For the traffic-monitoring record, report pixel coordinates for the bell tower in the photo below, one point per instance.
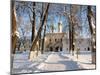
(60, 26)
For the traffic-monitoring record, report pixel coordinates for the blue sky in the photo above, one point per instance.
(55, 19)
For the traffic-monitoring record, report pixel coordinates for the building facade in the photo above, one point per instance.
(58, 41)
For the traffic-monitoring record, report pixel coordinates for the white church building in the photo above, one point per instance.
(58, 41)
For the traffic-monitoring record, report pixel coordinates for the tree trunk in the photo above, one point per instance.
(72, 39)
(40, 41)
(40, 29)
(14, 37)
(70, 27)
(33, 23)
(19, 45)
(71, 32)
(43, 38)
(93, 33)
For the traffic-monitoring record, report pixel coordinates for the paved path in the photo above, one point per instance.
(57, 62)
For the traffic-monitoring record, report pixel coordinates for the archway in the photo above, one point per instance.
(51, 49)
(88, 48)
(60, 48)
(56, 49)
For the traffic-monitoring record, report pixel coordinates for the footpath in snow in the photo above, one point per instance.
(51, 61)
(58, 62)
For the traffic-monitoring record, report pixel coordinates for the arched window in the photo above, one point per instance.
(55, 40)
(50, 40)
(61, 40)
(88, 49)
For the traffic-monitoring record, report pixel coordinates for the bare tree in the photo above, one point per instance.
(72, 19)
(43, 40)
(40, 29)
(33, 23)
(14, 28)
(29, 9)
(91, 20)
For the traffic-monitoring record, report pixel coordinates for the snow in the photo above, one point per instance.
(58, 63)
(84, 59)
(52, 61)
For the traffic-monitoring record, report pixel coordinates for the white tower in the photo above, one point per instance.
(60, 27)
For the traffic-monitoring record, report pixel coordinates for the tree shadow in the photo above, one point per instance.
(25, 66)
(70, 65)
(85, 53)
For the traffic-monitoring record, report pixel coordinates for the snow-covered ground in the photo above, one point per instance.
(52, 61)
